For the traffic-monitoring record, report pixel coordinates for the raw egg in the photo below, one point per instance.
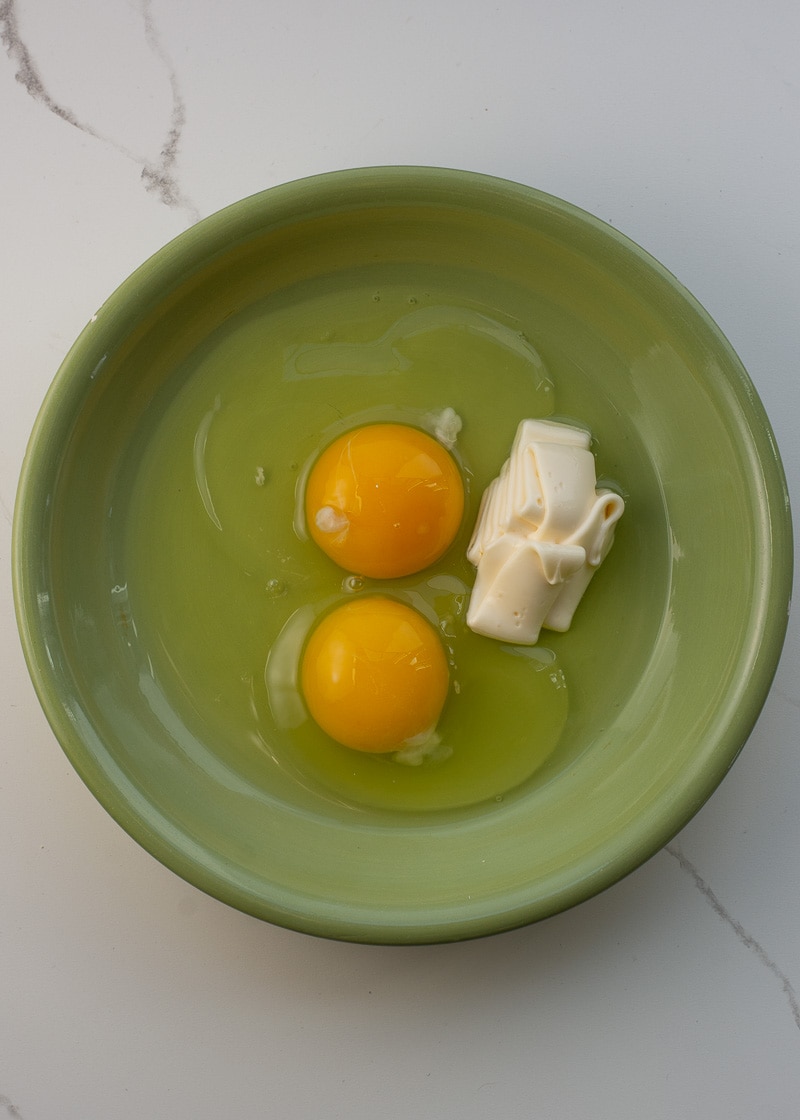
(384, 501)
(374, 675)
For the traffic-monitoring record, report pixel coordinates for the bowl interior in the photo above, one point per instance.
(672, 651)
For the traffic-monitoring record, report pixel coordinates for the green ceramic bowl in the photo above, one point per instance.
(672, 652)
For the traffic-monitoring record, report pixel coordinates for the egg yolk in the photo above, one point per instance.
(374, 675)
(385, 500)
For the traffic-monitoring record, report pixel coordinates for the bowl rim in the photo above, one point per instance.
(180, 257)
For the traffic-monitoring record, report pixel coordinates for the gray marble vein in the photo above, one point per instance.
(160, 175)
(746, 938)
(27, 73)
(9, 1108)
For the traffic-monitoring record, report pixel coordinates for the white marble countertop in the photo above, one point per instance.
(126, 993)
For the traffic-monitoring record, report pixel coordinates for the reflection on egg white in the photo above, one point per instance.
(200, 475)
(282, 670)
(381, 356)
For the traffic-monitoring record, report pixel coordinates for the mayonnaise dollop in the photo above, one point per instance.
(543, 529)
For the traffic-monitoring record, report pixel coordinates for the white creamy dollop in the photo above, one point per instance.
(543, 529)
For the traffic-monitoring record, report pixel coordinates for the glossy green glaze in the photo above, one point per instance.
(671, 654)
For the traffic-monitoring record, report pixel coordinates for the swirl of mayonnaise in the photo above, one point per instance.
(543, 529)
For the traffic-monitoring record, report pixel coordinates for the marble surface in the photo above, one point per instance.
(126, 993)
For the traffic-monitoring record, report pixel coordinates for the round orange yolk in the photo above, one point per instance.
(374, 675)
(385, 500)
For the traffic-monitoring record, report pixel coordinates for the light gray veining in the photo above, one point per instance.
(746, 938)
(159, 176)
